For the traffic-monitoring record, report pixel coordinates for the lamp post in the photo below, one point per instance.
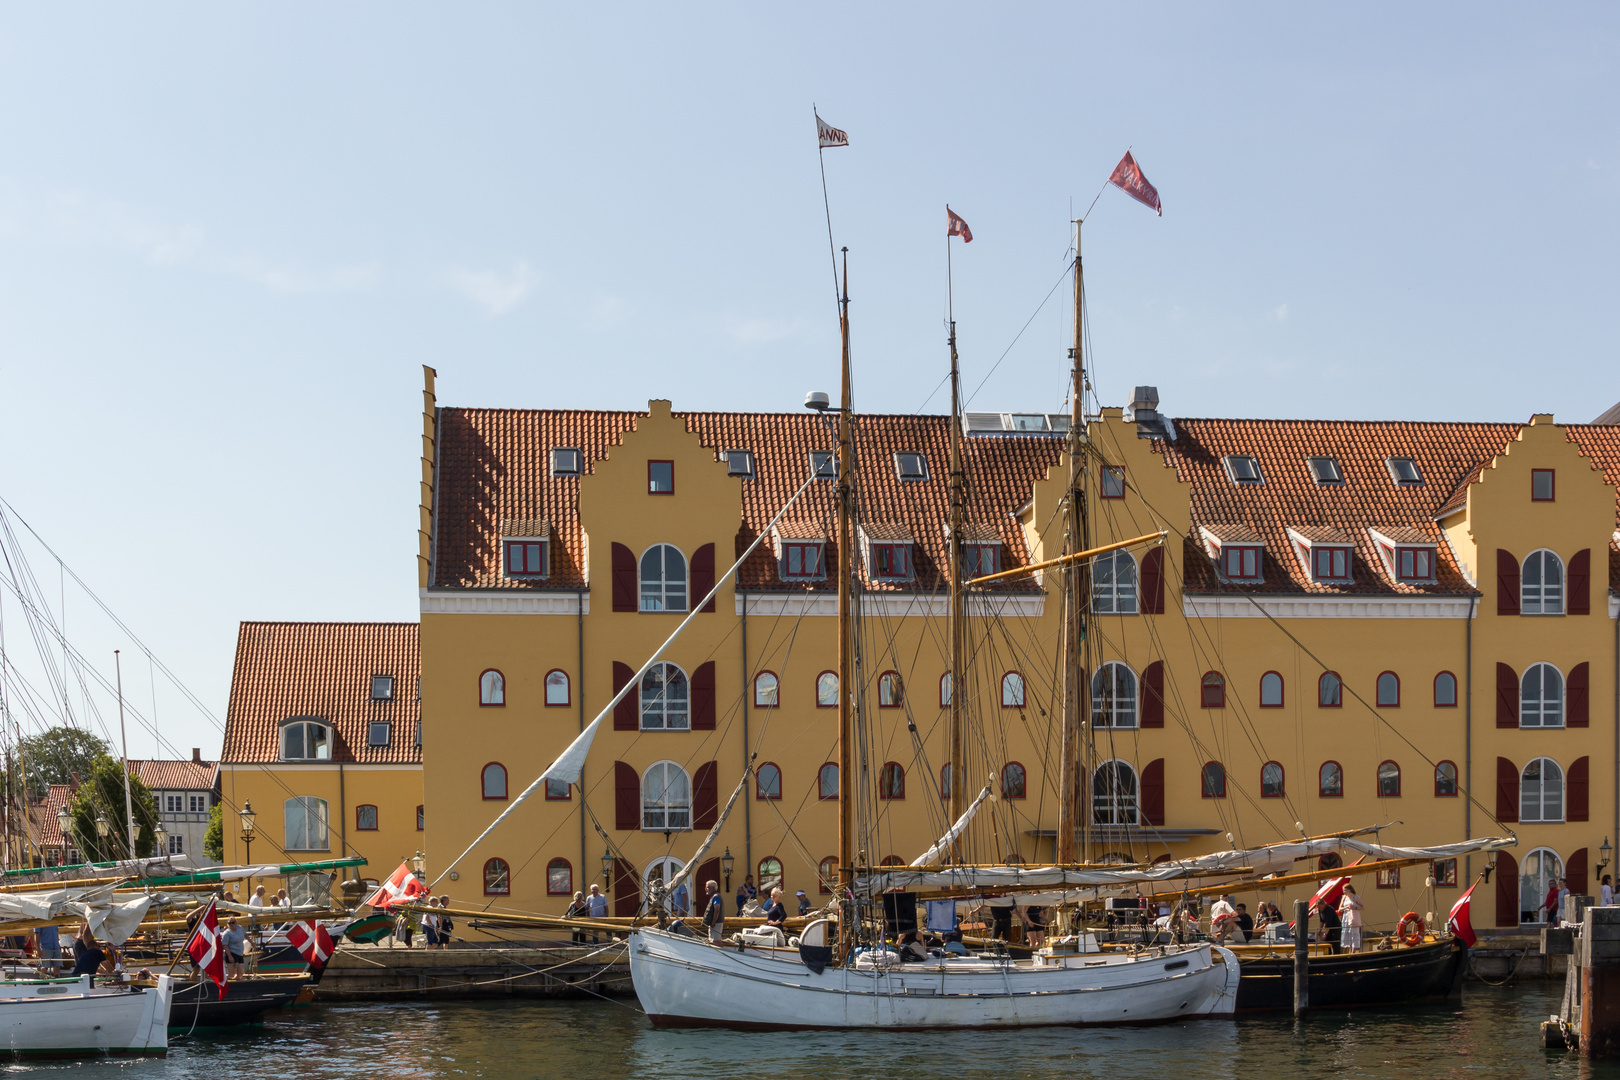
(417, 863)
(247, 815)
(1605, 854)
(160, 835)
(103, 827)
(726, 863)
(607, 870)
(64, 821)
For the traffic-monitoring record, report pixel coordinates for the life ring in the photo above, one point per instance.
(1410, 929)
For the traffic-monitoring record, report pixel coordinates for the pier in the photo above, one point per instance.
(517, 969)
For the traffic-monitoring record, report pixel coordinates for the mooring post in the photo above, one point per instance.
(1600, 982)
(1302, 958)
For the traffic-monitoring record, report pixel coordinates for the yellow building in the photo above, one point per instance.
(1352, 624)
(323, 740)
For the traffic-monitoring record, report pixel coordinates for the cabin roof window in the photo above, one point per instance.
(823, 464)
(910, 466)
(1243, 468)
(1404, 471)
(566, 461)
(739, 463)
(1325, 470)
(382, 688)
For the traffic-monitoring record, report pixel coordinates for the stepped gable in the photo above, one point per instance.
(1447, 455)
(286, 669)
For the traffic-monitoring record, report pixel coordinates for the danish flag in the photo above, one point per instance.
(401, 887)
(1459, 921)
(207, 950)
(312, 942)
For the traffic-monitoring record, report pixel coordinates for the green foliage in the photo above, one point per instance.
(55, 754)
(103, 795)
(214, 838)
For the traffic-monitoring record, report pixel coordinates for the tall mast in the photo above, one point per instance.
(1071, 809)
(129, 803)
(847, 788)
(958, 629)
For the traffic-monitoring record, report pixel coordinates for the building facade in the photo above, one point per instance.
(186, 792)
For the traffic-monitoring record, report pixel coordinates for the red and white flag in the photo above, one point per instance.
(206, 948)
(827, 135)
(313, 943)
(401, 887)
(955, 226)
(1329, 894)
(1460, 921)
(1129, 179)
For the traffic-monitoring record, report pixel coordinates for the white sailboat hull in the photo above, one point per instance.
(685, 982)
(62, 1019)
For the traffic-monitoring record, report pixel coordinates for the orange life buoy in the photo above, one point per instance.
(1410, 929)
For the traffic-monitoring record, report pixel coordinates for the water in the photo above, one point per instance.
(1491, 1035)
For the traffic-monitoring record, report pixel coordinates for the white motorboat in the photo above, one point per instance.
(74, 1018)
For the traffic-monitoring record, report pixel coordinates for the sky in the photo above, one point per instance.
(232, 235)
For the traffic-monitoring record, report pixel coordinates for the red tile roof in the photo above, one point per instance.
(324, 670)
(179, 775)
(45, 829)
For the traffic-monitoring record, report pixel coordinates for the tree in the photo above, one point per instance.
(214, 838)
(103, 795)
(55, 754)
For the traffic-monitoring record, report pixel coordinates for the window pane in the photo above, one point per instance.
(765, 690)
(660, 477)
(559, 878)
(1389, 778)
(365, 817)
(1445, 779)
(1113, 482)
(770, 782)
(1012, 781)
(556, 688)
(827, 781)
(1012, 690)
(494, 782)
(1214, 780)
(827, 690)
(1332, 779)
(1389, 689)
(1271, 690)
(1445, 689)
(557, 789)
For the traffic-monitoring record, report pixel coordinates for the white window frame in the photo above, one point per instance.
(1110, 807)
(1547, 599)
(666, 706)
(304, 722)
(1540, 714)
(562, 457)
(1115, 704)
(660, 593)
(739, 463)
(1549, 792)
(1541, 877)
(1239, 468)
(662, 806)
(1114, 578)
(304, 839)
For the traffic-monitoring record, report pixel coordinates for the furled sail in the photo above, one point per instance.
(931, 856)
(708, 841)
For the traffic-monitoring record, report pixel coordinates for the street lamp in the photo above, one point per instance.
(726, 863)
(64, 821)
(160, 836)
(416, 863)
(1605, 853)
(247, 815)
(607, 869)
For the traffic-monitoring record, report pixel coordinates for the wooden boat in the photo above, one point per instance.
(1432, 971)
(67, 1018)
(198, 1004)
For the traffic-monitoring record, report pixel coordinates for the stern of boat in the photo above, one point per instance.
(153, 1036)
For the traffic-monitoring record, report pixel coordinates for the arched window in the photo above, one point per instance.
(1271, 690)
(666, 798)
(556, 688)
(767, 690)
(892, 860)
(494, 780)
(891, 781)
(768, 782)
(945, 690)
(492, 688)
(1389, 779)
(559, 790)
(827, 781)
(663, 579)
(1541, 697)
(1389, 690)
(1113, 794)
(1012, 780)
(1541, 791)
(1113, 584)
(1214, 780)
(1330, 780)
(770, 875)
(1445, 690)
(1329, 691)
(827, 690)
(1271, 780)
(1330, 861)
(306, 822)
(1212, 691)
(304, 739)
(891, 691)
(664, 699)
(1541, 584)
(945, 781)
(497, 878)
(365, 818)
(827, 874)
(559, 878)
(1113, 697)
(1537, 872)
(1012, 690)
(1445, 779)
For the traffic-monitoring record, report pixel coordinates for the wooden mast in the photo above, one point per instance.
(1073, 757)
(958, 627)
(847, 788)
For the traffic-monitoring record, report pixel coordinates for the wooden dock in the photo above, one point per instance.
(466, 970)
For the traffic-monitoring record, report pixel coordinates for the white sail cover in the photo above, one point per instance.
(111, 920)
(1240, 865)
(931, 856)
(708, 841)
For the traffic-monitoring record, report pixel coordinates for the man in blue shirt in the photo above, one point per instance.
(714, 913)
(48, 941)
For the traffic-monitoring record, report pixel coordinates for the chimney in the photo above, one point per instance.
(1144, 413)
(73, 782)
(196, 755)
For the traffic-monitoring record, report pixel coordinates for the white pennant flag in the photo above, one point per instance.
(827, 135)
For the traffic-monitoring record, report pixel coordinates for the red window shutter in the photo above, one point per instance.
(624, 578)
(1153, 582)
(1577, 711)
(626, 890)
(703, 697)
(626, 797)
(1575, 873)
(1153, 695)
(1507, 890)
(707, 871)
(1507, 587)
(1507, 696)
(627, 713)
(1507, 791)
(706, 796)
(1580, 583)
(703, 575)
(1577, 791)
(1153, 792)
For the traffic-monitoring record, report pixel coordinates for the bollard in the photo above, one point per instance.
(1302, 958)
(1600, 982)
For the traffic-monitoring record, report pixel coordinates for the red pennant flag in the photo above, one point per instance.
(1460, 921)
(313, 943)
(827, 135)
(1129, 179)
(207, 950)
(401, 887)
(1330, 892)
(955, 226)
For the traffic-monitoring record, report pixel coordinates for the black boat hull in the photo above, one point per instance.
(246, 1001)
(1357, 980)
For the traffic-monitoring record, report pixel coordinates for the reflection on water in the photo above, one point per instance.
(1492, 1034)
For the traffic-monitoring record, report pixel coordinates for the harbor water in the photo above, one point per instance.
(1491, 1033)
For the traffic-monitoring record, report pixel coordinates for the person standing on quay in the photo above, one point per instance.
(1350, 916)
(1606, 891)
(598, 908)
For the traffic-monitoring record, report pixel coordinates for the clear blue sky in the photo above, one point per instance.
(230, 235)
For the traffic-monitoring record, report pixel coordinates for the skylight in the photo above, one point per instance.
(1403, 470)
(823, 464)
(1325, 470)
(565, 461)
(739, 462)
(1243, 469)
(910, 466)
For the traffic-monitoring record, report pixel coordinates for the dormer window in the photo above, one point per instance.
(823, 464)
(526, 557)
(978, 560)
(1243, 469)
(1414, 564)
(1330, 563)
(566, 461)
(910, 466)
(1409, 557)
(305, 739)
(1240, 562)
(739, 463)
(888, 552)
(801, 561)
(800, 550)
(1238, 551)
(1325, 470)
(1326, 552)
(382, 688)
(1403, 470)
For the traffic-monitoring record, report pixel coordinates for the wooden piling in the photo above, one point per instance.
(1302, 958)
(1600, 982)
